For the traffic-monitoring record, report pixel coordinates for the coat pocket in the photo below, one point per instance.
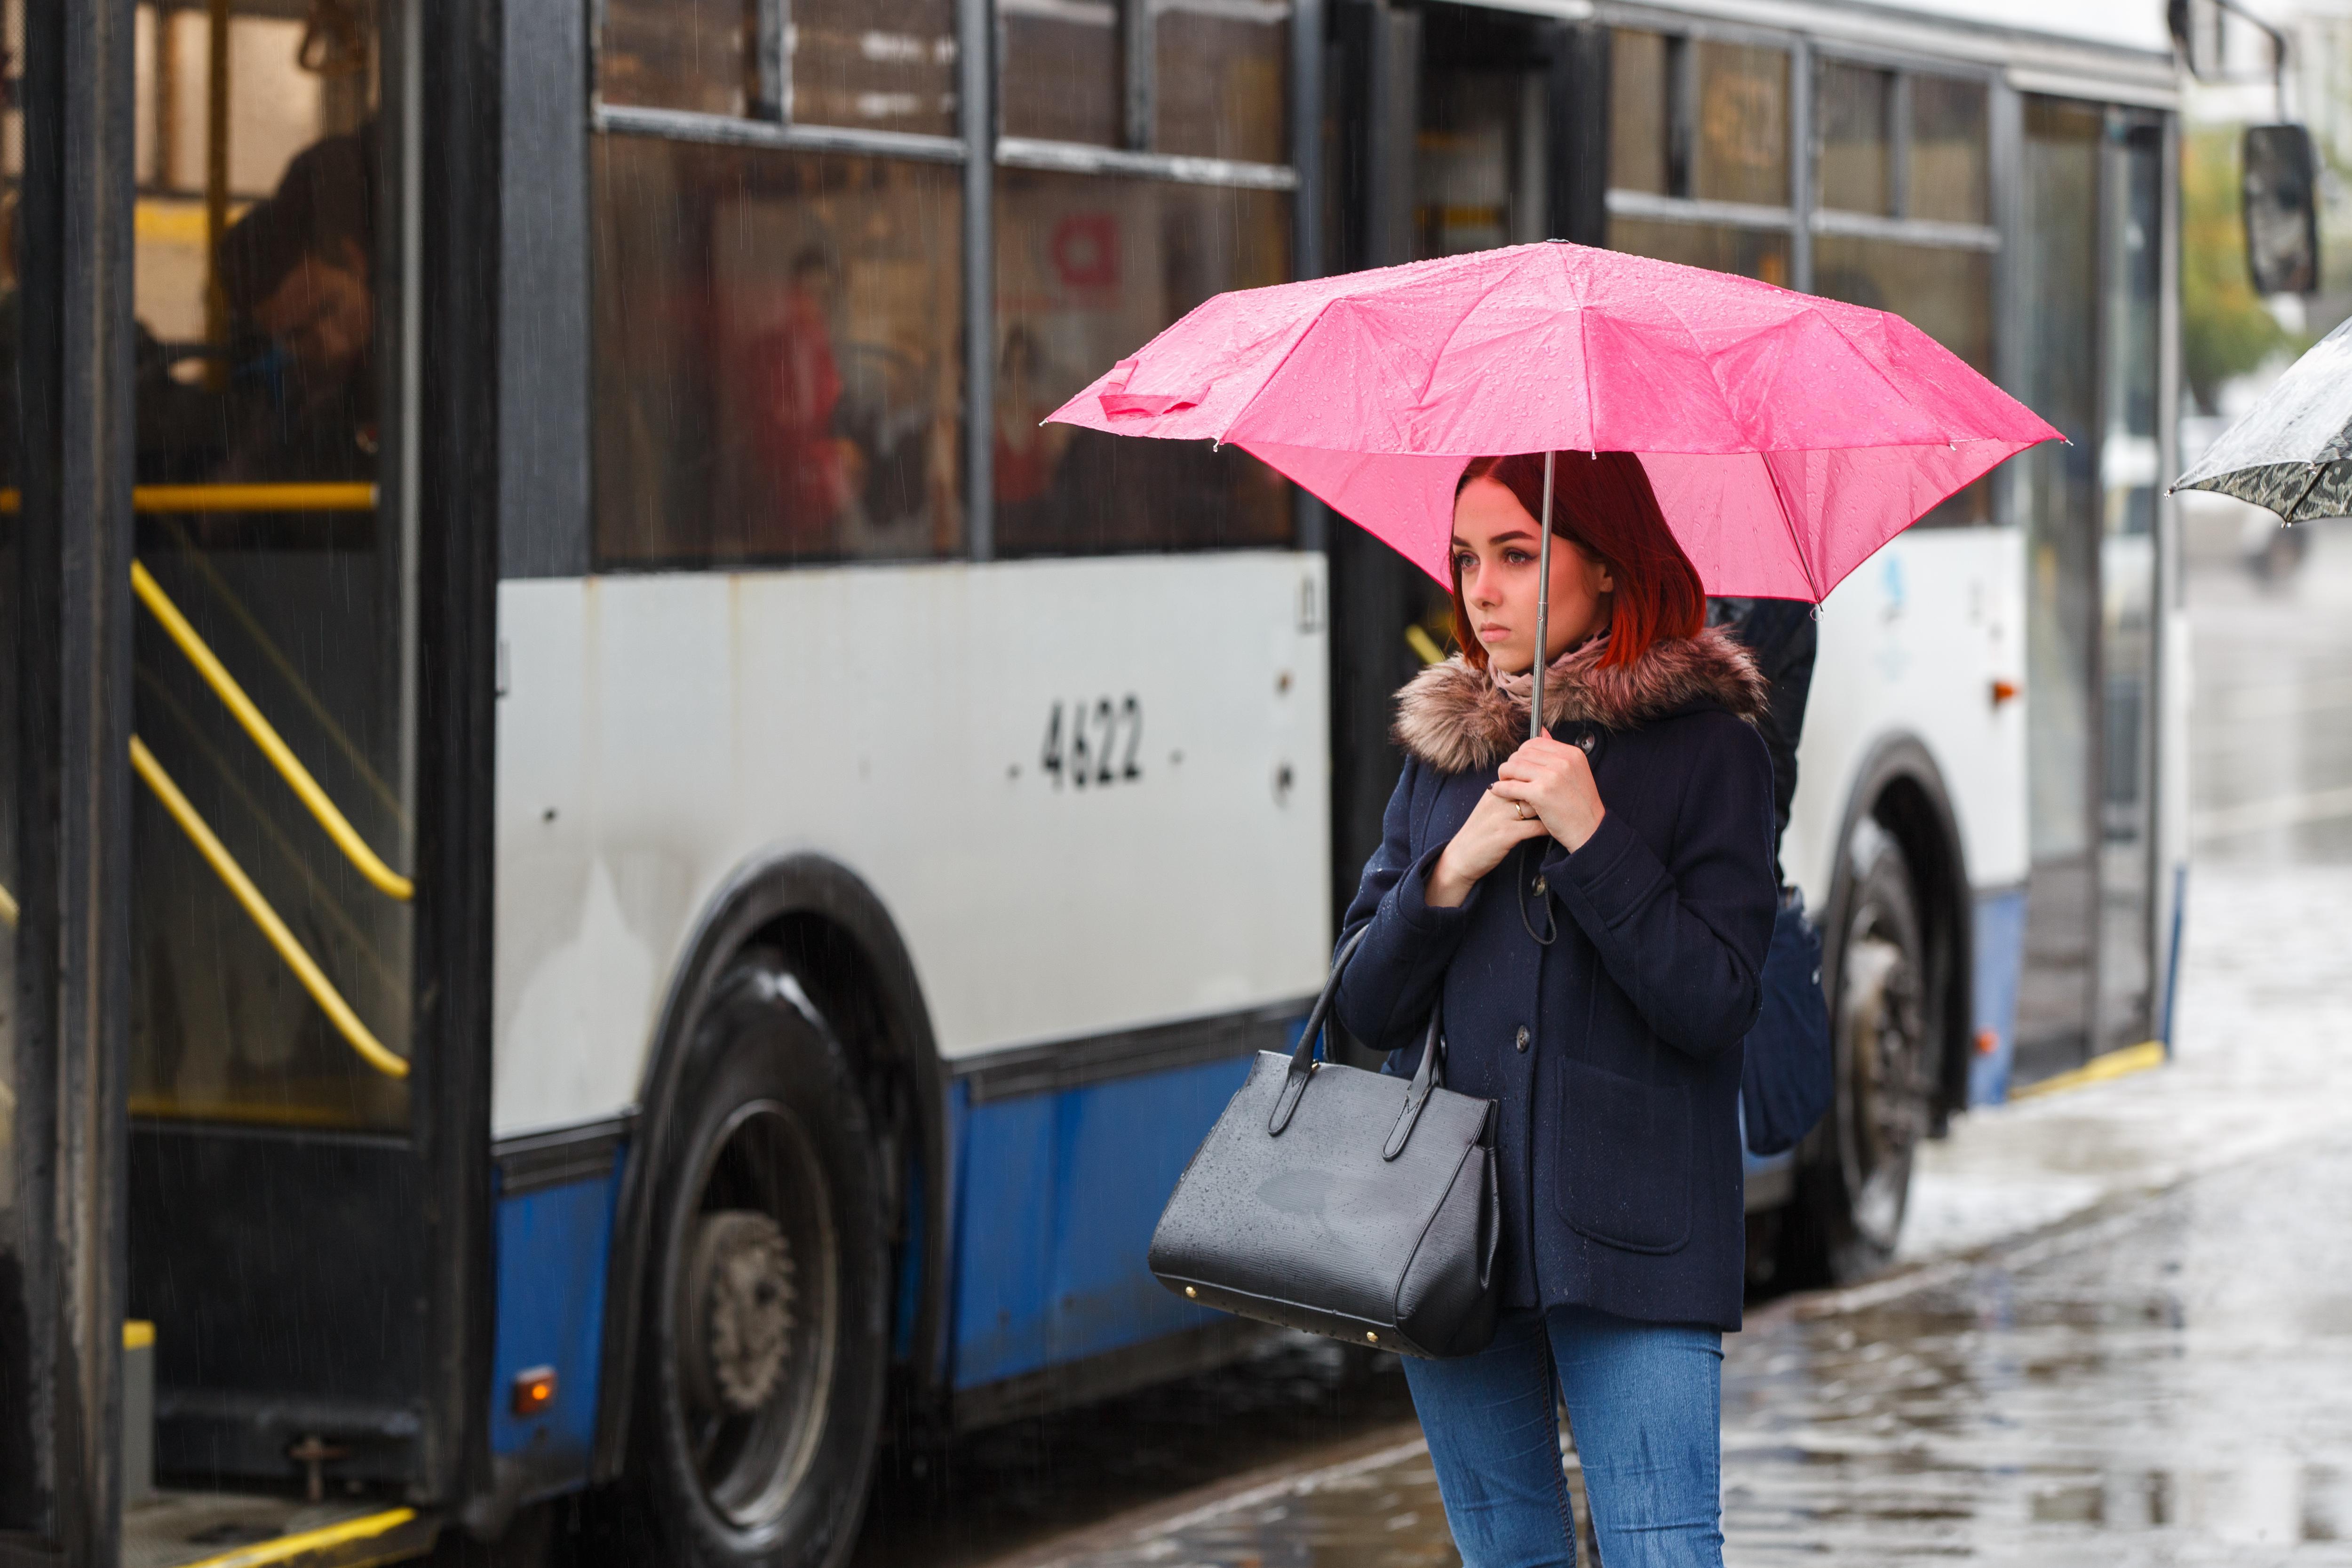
(1624, 1176)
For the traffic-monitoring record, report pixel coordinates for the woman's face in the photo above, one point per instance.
(1495, 553)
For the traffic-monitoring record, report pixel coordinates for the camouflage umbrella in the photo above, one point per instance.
(2292, 452)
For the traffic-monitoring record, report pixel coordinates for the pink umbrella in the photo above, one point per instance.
(1786, 437)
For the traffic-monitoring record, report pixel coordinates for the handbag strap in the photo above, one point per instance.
(1302, 1059)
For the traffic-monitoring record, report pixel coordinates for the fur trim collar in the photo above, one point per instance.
(1453, 717)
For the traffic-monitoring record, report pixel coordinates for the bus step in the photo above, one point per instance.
(227, 1529)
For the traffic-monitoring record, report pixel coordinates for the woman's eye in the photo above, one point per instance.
(1466, 563)
(1517, 557)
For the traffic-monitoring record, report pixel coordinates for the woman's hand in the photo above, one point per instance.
(1554, 781)
(1496, 828)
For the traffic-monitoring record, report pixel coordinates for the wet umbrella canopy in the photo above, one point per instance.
(1786, 437)
(2292, 451)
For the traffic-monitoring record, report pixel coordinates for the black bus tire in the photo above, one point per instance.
(1854, 1174)
(766, 1347)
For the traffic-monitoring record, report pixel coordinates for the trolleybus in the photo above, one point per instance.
(616, 863)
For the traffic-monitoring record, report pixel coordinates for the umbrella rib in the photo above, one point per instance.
(1266, 381)
(2318, 472)
(1789, 523)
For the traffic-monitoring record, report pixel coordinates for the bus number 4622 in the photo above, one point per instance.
(1099, 744)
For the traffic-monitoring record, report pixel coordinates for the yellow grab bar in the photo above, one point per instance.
(306, 969)
(289, 767)
(357, 496)
(8, 907)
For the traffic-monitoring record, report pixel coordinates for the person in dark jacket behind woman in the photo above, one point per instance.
(1591, 909)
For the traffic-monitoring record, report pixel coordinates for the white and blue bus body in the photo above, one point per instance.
(689, 602)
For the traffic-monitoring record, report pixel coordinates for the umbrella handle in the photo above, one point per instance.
(1543, 607)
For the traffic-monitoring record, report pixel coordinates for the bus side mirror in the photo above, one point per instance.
(2282, 208)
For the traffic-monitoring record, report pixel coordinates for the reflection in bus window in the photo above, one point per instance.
(876, 65)
(1061, 70)
(777, 355)
(1948, 153)
(693, 55)
(1851, 108)
(1217, 78)
(1088, 270)
(1742, 140)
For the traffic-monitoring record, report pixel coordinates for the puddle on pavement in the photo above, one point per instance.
(999, 1493)
(2172, 1385)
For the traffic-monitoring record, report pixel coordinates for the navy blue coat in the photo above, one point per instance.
(1614, 1051)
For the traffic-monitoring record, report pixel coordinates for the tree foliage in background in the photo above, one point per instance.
(2224, 329)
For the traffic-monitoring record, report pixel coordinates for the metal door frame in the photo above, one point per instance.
(73, 783)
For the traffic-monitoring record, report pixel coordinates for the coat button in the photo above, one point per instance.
(1522, 1041)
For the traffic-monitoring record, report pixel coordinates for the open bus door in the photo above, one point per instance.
(244, 1077)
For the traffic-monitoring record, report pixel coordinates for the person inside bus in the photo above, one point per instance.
(299, 274)
(794, 384)
(1592, 907)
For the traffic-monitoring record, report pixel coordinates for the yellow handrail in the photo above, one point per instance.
(306, 969)
(355, 495)
(8, 907)
(195, 560)
(289, 767)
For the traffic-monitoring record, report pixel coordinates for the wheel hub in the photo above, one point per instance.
(739, 1318)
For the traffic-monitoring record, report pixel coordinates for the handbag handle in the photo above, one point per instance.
(1302, 1059)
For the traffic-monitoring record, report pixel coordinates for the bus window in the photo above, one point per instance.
(694, 54)
(1641, 112)
(1938, 278)
(1217, 75)
(1695, 119)
(2058, 287)
(1061, 70)
(1087, 268)
(262, 390)
(777, 355)
(1946, 179)
(1945, 291)
(1742, 129)
(876, 65)
(1853, 105)
(1479, 159)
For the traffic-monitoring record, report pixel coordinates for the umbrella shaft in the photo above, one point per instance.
(1543, 607)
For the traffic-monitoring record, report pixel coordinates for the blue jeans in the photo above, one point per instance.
(1645, 1404)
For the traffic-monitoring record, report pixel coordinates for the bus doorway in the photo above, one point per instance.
(289, 1149)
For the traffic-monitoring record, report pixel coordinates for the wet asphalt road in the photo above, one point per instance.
(2121, 1333)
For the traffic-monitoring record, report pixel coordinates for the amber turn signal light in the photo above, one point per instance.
(534, 1390)
(2002, 692)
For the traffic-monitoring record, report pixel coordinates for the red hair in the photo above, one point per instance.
(1601, 502)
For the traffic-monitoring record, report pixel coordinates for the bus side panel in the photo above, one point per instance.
(1059, 1195)
(553, 1246)
(925, 727)
(1911, 644)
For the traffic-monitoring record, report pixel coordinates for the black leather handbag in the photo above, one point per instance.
(1343, 1201)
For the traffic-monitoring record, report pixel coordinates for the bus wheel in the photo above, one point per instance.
(1856, 1176)
(767, 1308)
